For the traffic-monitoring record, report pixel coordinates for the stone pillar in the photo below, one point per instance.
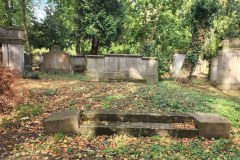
(12, 44)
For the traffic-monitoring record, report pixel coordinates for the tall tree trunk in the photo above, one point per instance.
(25, 27)
(78, 32)
(95, 46)
(78, 46)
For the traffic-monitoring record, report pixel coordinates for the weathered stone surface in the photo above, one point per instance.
(121, 67)
(128, 116)
(178, 60)
(228, 75)
(225, 68)
(12, 49)
(56, 61)
(213, 69)
(136, 129)
(77, 64)
(211, 125)
(231, 43)
(104, 122)
(66, 122)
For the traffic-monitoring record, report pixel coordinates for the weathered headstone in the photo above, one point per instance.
(56, 61)
(178, 60)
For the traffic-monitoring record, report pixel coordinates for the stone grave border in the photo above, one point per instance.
(208, 125)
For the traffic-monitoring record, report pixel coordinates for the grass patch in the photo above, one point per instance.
(43, 92)
(31, 75)
(8, 123)
(106, 106)
(195, 149)
(62, 76)
(58, 137)
(27, 110)
(169, 96)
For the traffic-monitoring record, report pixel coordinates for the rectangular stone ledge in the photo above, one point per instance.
(66, 122)
(123, 55)
(150, 58)
(130, 116)
(95, 56)
(150, 78)
(211, 125)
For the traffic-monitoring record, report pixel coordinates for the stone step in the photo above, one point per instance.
(136, 129)
(128, 116)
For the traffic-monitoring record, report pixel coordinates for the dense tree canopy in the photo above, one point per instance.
(100, 21)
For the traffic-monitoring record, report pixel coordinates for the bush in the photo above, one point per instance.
(31, 75)
(7, 95)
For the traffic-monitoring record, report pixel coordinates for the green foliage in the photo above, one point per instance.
(211, 45)
(11, 12)
(194, 149)
(100, 19)
(8, 123)
(201, 17)
(202, 13)
(58, 137)
(192, 58)
(27, 110)
(31, 75)
(51, 31)
(62, 76)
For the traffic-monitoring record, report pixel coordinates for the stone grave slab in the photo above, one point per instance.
(212, 125)
(66, 122)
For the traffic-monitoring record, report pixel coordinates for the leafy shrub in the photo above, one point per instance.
(31, 75)
(8, 97)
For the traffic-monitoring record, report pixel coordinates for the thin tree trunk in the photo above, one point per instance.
(25, 27)
(78, 32)
(78, 46)
(95, 46)
(144, 28)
